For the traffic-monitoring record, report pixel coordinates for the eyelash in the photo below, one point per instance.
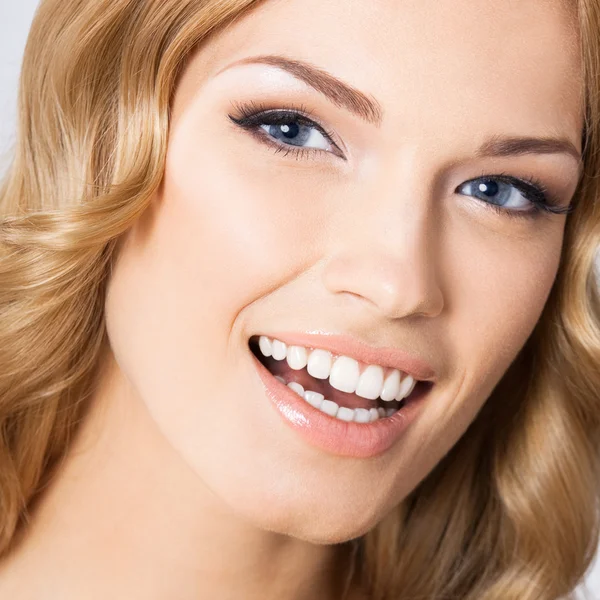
(252, 115)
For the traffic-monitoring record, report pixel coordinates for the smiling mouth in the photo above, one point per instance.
(363, 404)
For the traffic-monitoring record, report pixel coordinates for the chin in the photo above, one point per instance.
(318, 515)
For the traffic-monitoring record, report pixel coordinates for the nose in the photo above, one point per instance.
(385, 252)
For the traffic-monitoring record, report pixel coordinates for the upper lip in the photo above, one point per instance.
(383, 356)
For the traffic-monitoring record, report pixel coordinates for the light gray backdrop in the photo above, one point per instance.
(15, 19)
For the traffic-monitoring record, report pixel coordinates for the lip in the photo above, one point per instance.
(344, 345)
(341, 438)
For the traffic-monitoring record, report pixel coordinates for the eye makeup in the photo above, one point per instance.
(252, 116)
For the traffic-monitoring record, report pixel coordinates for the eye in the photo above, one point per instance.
(497, 192)
(511, 196)
(297, 134)
(287, 130)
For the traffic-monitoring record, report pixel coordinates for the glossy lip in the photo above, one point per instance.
(353, 348)
(341, 438)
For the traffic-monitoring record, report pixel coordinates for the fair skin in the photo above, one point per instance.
(184, 482)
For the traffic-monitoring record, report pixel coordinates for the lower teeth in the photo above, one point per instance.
(343, 413)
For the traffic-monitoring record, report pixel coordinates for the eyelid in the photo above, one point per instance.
(252, 112)
(535, 187)
(541, 200)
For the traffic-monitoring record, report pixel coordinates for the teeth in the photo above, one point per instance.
(265, 345)
(344, 374)
(329, 408)
(314, 398)
(358, 415)
(391, 386)
(370, 382)
(406, 387)
(319, 364)
(297, 357)
(296, 387)
(279, 350)
(345, 414)
(362, 415)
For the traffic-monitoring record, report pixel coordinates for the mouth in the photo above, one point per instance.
(343, 405)
(321, 391)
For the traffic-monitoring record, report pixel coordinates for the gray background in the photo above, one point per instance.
(15, 19)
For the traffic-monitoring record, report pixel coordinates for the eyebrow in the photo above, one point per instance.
(340, 93)
(369, 109)
(513, 146)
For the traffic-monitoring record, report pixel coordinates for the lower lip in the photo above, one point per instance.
(342, 438)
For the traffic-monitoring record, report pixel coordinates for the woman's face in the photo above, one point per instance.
(371, 218)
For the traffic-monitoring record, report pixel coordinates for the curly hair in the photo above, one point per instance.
(509, 513)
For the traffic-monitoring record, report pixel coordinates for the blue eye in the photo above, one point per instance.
(297, 134)
(287, 130)
(512, 196)
(292, 131)
(497, 192)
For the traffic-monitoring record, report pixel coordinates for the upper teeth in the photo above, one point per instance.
(344, 373)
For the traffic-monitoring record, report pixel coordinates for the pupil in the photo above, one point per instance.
(490, 188)
(290, 131)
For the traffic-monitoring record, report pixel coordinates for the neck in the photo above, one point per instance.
(127, 517)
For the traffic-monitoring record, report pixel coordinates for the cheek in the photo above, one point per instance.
(235, 228)
(214, 240)
(497, 284)
(184, 274)
(500, 284)
(509, 287)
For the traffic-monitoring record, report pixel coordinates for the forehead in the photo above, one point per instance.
(436, 65)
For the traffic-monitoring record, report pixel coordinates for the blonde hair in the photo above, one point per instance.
(510, 513)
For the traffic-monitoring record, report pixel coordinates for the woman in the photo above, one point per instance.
(297, 301)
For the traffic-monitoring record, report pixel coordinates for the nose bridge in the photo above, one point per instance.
(386, 248)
